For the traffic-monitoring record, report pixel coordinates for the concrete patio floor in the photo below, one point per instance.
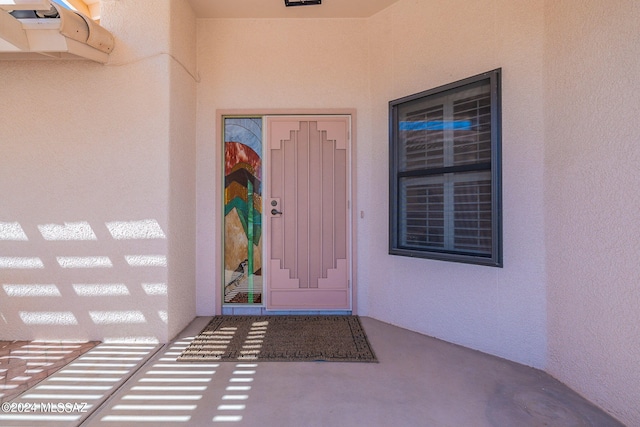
(24, 364)
(419, 381)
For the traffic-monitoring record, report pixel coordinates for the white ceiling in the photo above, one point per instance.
(277, 9)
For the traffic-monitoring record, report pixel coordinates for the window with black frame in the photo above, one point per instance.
(445, 190)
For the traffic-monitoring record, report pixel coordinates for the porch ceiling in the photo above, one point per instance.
(277, 9)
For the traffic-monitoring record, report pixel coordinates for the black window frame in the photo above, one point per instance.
(396, 174)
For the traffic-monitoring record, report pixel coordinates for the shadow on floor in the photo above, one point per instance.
(24, 364)
(419, 381)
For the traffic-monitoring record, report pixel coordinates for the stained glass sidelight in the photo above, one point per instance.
(243, 210)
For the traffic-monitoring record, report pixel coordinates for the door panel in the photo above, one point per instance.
(307, 213)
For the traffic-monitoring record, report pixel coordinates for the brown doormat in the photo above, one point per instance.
(281, 339)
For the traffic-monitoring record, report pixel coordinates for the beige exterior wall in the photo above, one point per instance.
(182, 165)
(124, 145)
(416, 46)
(413, 46)
(267, 64)
(592, 105)
(94, 147)
(362, 64)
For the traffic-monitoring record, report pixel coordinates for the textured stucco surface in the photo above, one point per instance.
(259, 64)
(84, 146)
(122, 147)
(362, 64)
(592, 104)
(413, 47)
(63, 160)
(182, 176)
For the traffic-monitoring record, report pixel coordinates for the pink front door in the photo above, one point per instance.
(307, 202)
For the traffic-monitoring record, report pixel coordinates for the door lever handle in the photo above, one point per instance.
(275, 212)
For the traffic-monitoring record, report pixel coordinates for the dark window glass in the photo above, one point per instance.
(445, 172)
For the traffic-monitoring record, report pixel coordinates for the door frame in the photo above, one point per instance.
(219, 191)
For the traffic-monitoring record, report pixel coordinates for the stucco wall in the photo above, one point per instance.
(261, 64)
(592, 105)
(97, 174)
(419, 45)
(182, 175)
(362, 64)
(87, 147)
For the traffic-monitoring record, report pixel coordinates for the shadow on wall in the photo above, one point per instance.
(75, 281)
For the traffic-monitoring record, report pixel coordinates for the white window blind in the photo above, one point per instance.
(443, 175)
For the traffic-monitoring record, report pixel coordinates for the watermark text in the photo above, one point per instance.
(44, 407)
